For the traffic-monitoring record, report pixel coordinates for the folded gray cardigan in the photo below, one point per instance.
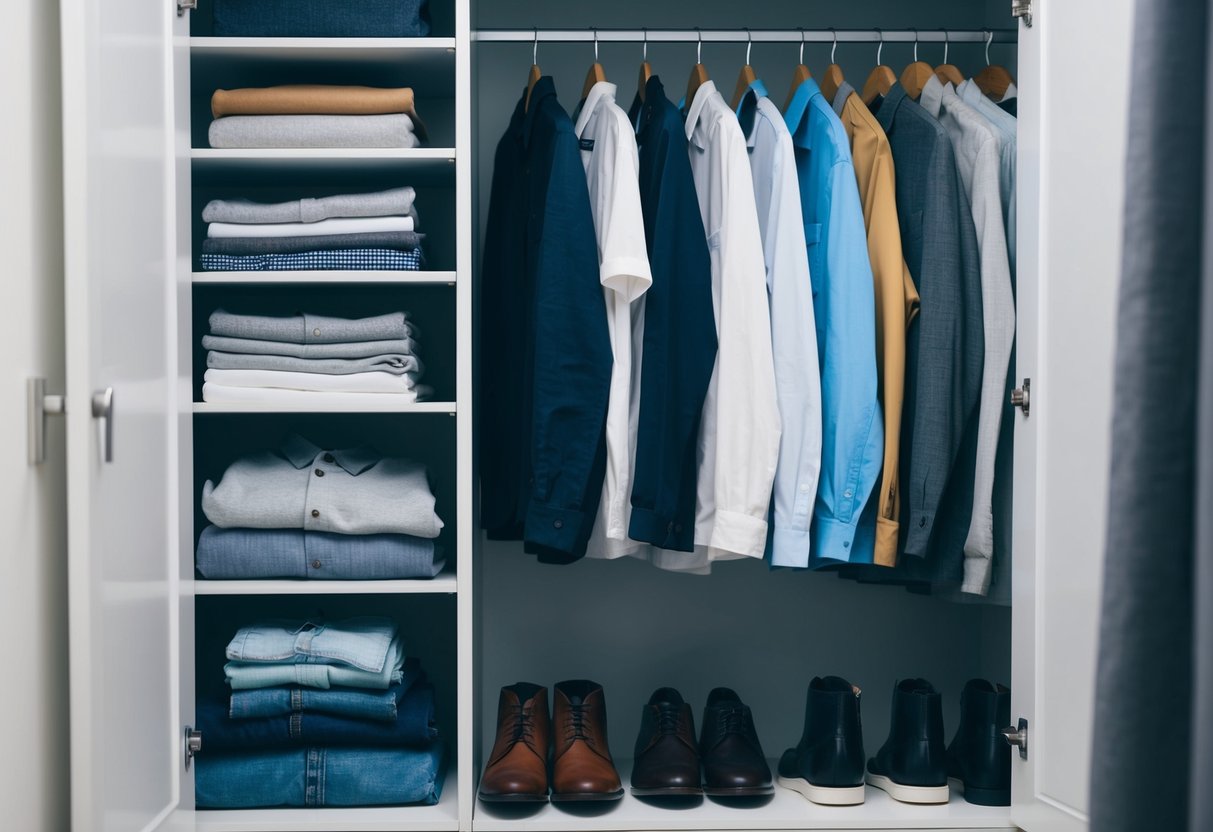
(244, 246)
(388, 203)
(391, 130)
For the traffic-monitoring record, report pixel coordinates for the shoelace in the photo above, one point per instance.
(667, 719)
(734, 721)
(577, 715)
(524, 725)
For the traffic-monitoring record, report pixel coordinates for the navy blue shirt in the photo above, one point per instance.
(679, 330)
(546, 360)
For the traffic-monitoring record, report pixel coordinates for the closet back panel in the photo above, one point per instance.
(442, 17)
(766, 633)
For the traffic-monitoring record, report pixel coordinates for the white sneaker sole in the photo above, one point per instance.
(825, 795)
(909, 794)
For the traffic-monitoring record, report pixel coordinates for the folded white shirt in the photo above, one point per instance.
(369, 382)
(333, 225)
(221, 394)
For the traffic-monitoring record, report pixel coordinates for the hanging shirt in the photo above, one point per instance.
(739, 437)
(852, 433)
(612, 165)
(1006, 127)
(793, 331)
(679, 330)
(978, 157)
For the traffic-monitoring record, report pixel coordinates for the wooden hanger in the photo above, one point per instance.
(994, 81)
(646, 71)
(746, 77)
(699, 75)
(946, 72)
(880, 80)
(534, 75)
(915, 76)
(799, 75)
(596, 75)
(832, 78)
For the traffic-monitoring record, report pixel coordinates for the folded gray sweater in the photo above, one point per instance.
(392, 130)
(397, 201)
(311, 329)
(244, 246)
(356, 349)
(397, 365)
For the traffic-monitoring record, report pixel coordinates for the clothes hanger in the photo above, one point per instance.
(535, 74)
(832, 79)
(799, 75)
(880, 80)
(946, 72)
(747, 75)
(596, 75)
(993, 80)
(699, 74)
(646, 71)
(915, 76)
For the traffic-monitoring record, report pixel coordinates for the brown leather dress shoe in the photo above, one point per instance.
(667, 755)
(517, 771)
(582, 768)
(733, 762)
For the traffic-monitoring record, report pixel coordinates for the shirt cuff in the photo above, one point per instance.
(552, 528)
(629, 277)
(977, 575)
(918, 532)
(790, 547)
(739, 533)
(886, 542)
(833, 541)
(665, 532)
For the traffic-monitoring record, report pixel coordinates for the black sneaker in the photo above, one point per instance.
(827, 765)
(912, 764)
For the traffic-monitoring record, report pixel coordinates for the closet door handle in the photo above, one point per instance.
(103, 408)
(1017, 735)
(39, 405)
(186, 5)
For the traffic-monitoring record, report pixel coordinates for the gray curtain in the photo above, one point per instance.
(1151, 766)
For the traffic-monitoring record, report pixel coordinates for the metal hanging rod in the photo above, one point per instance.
(743, 35)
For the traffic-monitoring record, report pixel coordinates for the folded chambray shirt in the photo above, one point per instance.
(372, 705)
(249, 554)
(243, 675)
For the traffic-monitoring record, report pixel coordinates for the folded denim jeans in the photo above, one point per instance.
(315, 777)
(322, 18)
(376, 705)
(248, 554)
(358, 642)
(413, 727)
(246, 675)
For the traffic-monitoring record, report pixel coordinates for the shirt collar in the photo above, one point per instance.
(845, 91)
(543, 88)
(932, 96)
(747, 111)
(798, 111)
(695, 110)
(301, 453)
(642, 112)
(888, 108)
(600, 91)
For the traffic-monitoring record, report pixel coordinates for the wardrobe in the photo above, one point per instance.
(137, 79)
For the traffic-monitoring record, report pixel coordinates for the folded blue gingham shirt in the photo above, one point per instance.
(367, 259)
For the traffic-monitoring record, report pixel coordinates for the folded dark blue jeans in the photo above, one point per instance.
(314, 777)
(356, 703)
(322, 18)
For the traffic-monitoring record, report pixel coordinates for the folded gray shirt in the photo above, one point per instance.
(357, 349)
(392, 130)
(311, 329)
(396, 201)
(246, 246)
(397, 365)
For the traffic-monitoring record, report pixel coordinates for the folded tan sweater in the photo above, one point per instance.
(316, 99)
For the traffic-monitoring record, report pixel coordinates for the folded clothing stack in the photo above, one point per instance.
(315, 115)
(304, 512)
(312, 359)
(374, 231)
(319, 715)
(322, 18)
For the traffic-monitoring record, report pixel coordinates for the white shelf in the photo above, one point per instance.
(370, 407)
(424, 278)
(785, 810)
(443, 817)
(444, 584)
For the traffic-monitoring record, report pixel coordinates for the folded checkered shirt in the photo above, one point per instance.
(366, 259)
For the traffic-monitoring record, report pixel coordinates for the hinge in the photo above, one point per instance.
(1022, 9)
(190, 5)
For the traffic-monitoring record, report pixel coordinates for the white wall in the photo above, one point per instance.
(33, 582)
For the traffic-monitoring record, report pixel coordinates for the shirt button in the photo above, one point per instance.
(315, 512)
(328, 457)
(848, 493)
(846, 545)
(803, 489)
(316, 331)
(559, 524)
(320, 472)
(315, 564)
(922, 522)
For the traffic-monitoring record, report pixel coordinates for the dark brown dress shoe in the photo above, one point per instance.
(582, 768)
(517, 771)
(667, 756)
(733, 762)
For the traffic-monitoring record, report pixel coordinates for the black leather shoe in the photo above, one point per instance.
(733, 762)
(912, 764)
(667, 757)
(827, 765)
(979, 759)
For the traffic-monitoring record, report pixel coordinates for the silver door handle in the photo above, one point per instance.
(39, 405)
(103, 408)
(1017, 735)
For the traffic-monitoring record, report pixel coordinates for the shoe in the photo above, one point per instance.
(582, 768)
(979, 759)
(912, 764)
(733, 762)
(827, 765)
(667, 756)
(517, 771)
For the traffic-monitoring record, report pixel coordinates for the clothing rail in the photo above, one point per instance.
(744, 35)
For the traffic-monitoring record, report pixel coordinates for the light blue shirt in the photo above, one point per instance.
(1005, 128)
(844, 303)
(793, 332)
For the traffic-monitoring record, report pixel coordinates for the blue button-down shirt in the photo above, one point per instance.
(845, 307)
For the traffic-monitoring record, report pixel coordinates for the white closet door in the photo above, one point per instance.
(120, 321)
(1072, 135)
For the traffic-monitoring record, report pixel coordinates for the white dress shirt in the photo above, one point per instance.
(739, 435)
(612, 169)
(978, 160)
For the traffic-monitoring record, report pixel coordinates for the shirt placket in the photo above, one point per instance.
(319, 501)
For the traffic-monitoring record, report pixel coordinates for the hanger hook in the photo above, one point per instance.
(698, 46)
(946, 44)
(915, 46)
(879, 48)
(535, 49)
(833, 48)
(801, 45)
(989, 40)
(595, 46)
(749, 44)
(646, 45)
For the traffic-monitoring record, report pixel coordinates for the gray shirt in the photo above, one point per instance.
(311, 329)
(301, 486)
(1006, 127)
(378, 204)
